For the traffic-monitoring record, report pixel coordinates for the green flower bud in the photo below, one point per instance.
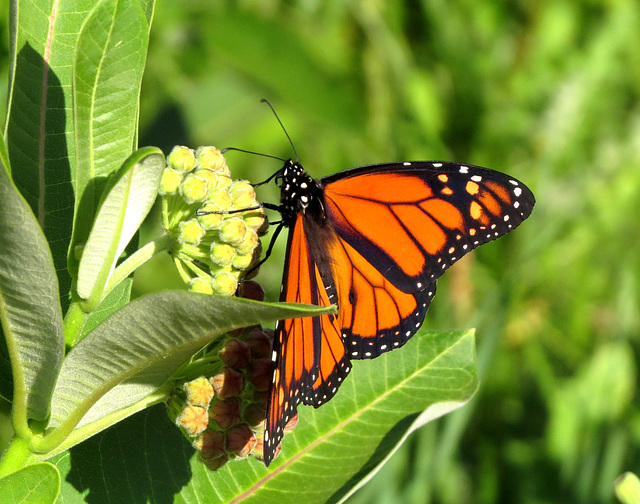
(193, 189)
(222, 254)
(211, 221)
(201, 285)
(217, 200)
(627, 488)
(242, 261)
(224, 283)
(190, 232)
(243, 194)
(214, 180)
(249, 243)
(212, 158)
(256, 220)
(233, 231)
(170, 181)
(181, 159)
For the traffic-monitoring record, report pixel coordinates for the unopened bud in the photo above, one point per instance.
(226, 413)
(227, 383)
(222, 254)
(193, 189)
(224, 283)
(259, 373)
(249, 289)
(212, 158)
(249, 242)
(235, 354)
(201, 285)
(170, 181)
(199, 392)
(190, 232)
(193, 419)
(181, 159)
(210, 444)
(241, 440)
(259, 344)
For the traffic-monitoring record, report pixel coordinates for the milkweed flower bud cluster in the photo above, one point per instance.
(214, 240)
(222, 409)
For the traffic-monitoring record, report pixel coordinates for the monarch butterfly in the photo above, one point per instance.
(373, 240)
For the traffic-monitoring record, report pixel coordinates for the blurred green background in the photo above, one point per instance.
(546, 91)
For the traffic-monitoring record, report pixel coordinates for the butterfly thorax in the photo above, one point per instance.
(299, 194)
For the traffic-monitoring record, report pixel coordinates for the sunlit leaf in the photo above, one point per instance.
(127, 202)
(29, 305)
(35, 484)
(144, 343)
(108, 66)
(330, 451)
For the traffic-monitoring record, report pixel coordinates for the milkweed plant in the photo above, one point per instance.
(80, 360)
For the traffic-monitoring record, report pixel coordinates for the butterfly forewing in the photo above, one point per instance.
(309, 358)
(411, 221)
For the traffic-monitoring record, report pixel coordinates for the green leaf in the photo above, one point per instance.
(332, 450)
(140, 346)
(35, 484)
(39, 129)
(29, 306)
(126, 204)
(108, 66)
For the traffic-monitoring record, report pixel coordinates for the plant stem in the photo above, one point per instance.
(15, 456)
(74, 321)
(76, 316)
(137, 259)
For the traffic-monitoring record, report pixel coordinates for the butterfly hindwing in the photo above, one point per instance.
(374, 315)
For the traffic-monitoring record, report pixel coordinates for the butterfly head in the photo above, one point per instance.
(299, 193)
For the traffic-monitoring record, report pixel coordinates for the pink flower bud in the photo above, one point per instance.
(227, 383)
(241, 440)
(226, 413)
(259, 373)
(235, 354)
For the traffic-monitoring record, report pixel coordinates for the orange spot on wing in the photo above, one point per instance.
(475, 210)
(472, 188)
(443, 212)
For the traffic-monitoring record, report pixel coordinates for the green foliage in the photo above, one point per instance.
(35, 484)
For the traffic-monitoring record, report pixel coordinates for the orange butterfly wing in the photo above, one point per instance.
(403, 225)
(308, 354)
(411, 221)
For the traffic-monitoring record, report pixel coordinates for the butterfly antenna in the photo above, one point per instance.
(250, 152)
(264, 100)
